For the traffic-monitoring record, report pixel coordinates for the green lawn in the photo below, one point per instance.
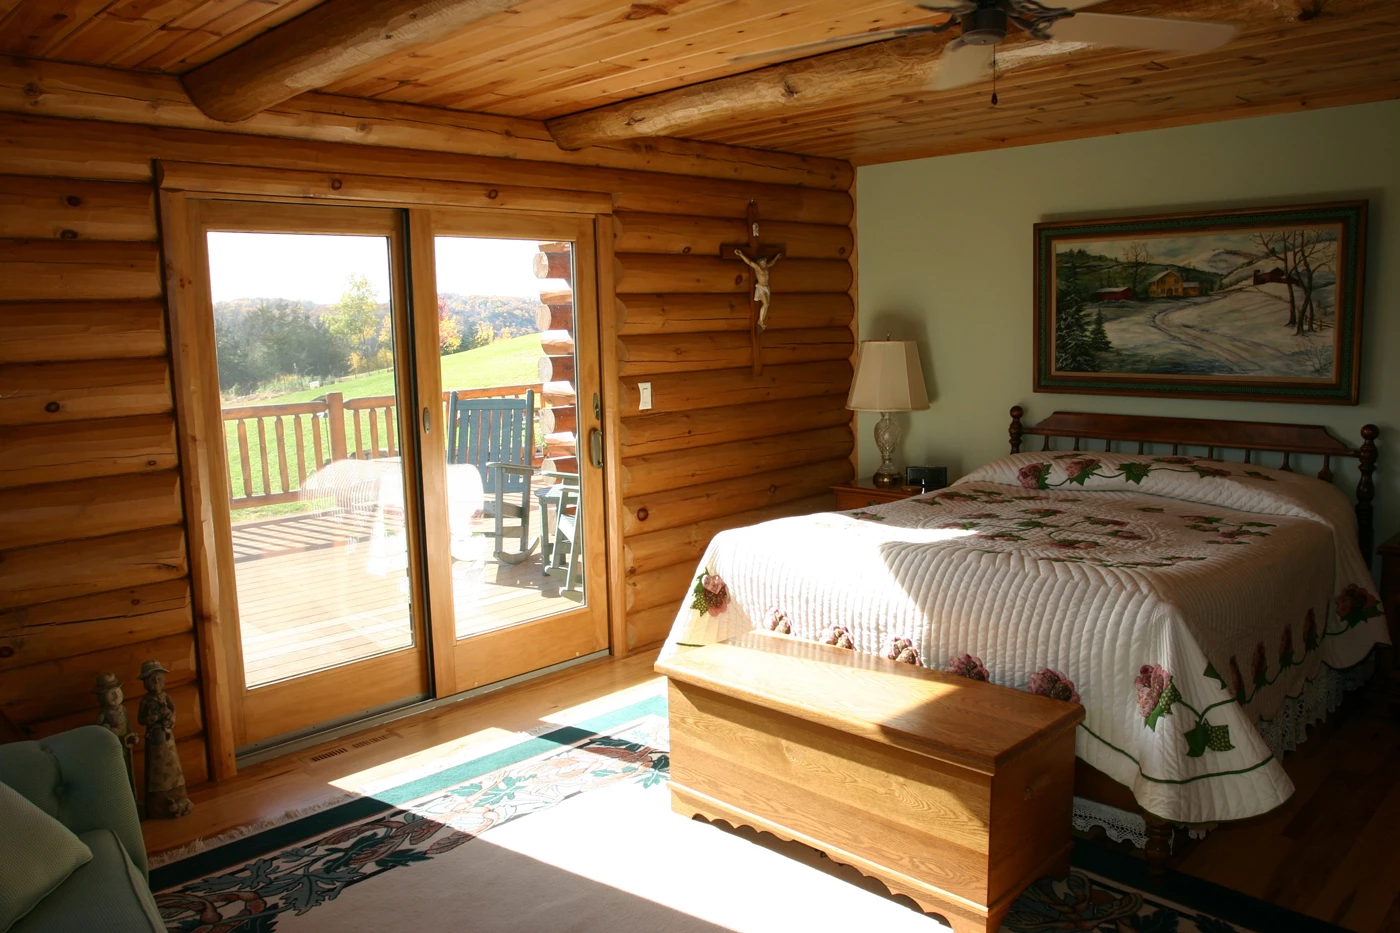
(513, 361)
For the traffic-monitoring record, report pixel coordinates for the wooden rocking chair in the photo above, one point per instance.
(497, 436)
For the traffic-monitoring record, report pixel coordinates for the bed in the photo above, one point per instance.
(1203, 609)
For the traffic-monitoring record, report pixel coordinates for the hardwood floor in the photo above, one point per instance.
(319, 774)
(1330, 852)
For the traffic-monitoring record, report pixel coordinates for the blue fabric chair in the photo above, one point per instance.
(497, 436)
(79, 778)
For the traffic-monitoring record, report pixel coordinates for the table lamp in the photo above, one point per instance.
(888, 378)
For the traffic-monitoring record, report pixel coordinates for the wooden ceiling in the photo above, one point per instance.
(543, 59)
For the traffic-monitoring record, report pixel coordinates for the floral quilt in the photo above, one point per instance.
(1181, 600)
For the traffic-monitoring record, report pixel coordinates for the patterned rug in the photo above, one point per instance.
(602, 851)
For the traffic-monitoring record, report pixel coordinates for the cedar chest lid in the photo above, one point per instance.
(963, 722)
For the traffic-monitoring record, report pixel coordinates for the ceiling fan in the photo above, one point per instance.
(985, 23)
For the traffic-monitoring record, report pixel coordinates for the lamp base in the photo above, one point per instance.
(887, 480)
(886, 439)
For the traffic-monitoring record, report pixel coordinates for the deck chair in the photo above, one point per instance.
(497, 436)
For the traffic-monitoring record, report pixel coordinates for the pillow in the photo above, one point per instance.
(48, 854)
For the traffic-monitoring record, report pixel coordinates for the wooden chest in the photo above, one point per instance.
(953, 792)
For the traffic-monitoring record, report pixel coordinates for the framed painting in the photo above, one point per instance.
(1263, 305)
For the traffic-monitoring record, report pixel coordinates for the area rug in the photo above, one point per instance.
(572, 831)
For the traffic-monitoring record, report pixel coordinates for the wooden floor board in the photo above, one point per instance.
(313, 594)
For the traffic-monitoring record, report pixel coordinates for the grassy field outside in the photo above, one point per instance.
(513, 361)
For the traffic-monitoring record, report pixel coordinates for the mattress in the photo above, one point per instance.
(1181, 600)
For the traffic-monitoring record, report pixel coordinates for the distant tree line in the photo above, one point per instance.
(267, 342)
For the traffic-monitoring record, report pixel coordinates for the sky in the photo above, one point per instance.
(316, 268)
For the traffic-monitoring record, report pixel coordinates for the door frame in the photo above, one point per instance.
(199, 422)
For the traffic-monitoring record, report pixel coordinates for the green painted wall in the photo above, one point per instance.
(945, 259)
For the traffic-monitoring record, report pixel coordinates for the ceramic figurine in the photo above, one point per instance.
(113, 716)
(165, 780)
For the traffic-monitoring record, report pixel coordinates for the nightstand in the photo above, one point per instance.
(859, 494)
(1390, 598)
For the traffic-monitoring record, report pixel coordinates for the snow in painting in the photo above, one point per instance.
(1256, 304)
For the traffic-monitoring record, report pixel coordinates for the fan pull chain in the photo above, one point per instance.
(995, 100)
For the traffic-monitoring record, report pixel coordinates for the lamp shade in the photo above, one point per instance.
(888, 378)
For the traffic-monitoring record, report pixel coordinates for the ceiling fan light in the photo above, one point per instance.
(984, 26)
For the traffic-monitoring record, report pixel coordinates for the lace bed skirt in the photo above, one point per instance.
(1284, 733)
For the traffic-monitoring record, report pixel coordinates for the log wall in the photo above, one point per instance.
(93, 557)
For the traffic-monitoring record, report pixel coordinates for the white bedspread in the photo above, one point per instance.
(1184, 598)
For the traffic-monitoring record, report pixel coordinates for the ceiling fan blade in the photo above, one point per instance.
(1142, 32)
(854, 39)
(961, 65)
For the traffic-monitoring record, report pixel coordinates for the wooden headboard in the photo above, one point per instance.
(1254, 438)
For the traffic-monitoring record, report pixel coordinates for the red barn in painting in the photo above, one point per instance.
(1275, 276)
(1123, 293)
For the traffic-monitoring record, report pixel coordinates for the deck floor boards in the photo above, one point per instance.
(315, 591)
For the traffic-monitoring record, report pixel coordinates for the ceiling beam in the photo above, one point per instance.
(321, 46)
(870, 71)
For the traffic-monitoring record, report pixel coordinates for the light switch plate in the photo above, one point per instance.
(645, 389)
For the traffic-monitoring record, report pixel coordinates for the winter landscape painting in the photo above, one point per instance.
(1262, 305)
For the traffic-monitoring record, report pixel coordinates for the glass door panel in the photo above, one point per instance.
(508, 393)
(307, 342)
(521, 502)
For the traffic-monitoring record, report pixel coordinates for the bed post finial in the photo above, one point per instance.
(1015, 431)
(1366, 490)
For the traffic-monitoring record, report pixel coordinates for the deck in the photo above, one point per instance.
(320, 589)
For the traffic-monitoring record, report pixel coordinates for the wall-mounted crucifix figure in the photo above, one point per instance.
(760, 260)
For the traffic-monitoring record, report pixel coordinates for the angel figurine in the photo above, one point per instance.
(165, 779)
(762, 293)
(113, 717)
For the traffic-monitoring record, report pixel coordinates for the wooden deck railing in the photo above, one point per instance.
(268, 471)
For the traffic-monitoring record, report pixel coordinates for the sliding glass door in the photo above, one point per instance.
(410, 414)
(310, 325)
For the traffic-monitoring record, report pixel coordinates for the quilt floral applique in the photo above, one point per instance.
(1079, 469)
(1157, 696)
(710, 594)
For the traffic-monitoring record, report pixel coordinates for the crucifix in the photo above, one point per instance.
(760, 259)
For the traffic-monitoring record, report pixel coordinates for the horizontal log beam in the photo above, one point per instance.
(374, 189)
(60, 331)
(677, 508)
(99, 622)
(704, 236)
(556, 368)
(871, 71)
(52, 688)
(31, 515)
(558, 418)
(76, 450)
(321, 46)
(678, 469)
(92, 565)
(73, 209)
(651, 272)
(664, 353)
(78, 270)
(45, 88)
(725, 387)
(692, 314)
(668, 587)
(685, 545)
(649, 627)
(85, 149)
(702, 428)
(48, 393)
